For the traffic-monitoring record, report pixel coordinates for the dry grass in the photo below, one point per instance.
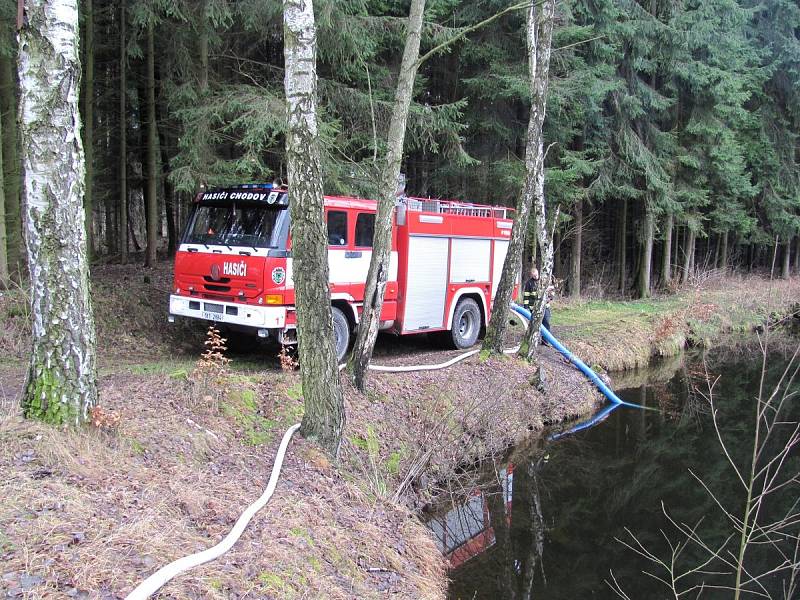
(94, 512)
(628, 335)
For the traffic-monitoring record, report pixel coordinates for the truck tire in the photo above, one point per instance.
(466, 324)
(341, 333)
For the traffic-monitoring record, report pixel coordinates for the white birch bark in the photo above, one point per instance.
(544, 232)
(378, 274)
(539, 37)
(324, 416)
(61, 382)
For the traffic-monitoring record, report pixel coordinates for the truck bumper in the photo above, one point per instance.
(247, 315)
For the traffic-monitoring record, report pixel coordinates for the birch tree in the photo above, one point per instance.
(324, 416)
(539, 37)
(61, 382)
(379, 266)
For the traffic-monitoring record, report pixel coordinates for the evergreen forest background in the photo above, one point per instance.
(671, 131)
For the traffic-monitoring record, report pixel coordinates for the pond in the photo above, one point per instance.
(576, 515)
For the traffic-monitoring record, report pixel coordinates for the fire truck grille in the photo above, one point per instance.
(217, 297)
(217, 288)
(220, 280)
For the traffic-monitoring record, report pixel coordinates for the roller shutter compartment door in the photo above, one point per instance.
(470, 260)
(427, 283)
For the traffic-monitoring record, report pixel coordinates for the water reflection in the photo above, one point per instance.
(497, 533)
(546, 523)
(595, 419)
(466, 530)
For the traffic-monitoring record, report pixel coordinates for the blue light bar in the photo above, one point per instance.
(253, 186)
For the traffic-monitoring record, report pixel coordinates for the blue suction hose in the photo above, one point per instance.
(548, 337)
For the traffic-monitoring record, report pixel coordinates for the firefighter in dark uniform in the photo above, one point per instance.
(530, 296)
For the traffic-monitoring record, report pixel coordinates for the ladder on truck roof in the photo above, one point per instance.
(454, 207)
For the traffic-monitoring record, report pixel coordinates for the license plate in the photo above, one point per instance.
(211, 316)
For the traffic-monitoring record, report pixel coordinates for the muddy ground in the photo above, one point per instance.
(182, 451)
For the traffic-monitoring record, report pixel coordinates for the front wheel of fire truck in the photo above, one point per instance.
(466, 324)
(341, 333)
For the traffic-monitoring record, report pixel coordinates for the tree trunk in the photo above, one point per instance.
(666, 259)
(532, 337)
(132, 233)
(575, 258)
(123, 135)
(151, 195)
(724, 252)
(556, 252)
(623, 246)
(205, 151)
(534, 248)
(324, 416)
(688, 265)
(797, 257)
(787, 255)
(169, 197)
(379, 265)
(88, 123)
(539, 37)
(11, 160)
(647, 251)
(61, 382)
(203, 45)
(4, 271)
(164, 144)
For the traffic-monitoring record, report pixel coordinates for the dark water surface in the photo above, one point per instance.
(542, 524)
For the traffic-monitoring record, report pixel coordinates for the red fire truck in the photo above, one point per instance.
(234, 264)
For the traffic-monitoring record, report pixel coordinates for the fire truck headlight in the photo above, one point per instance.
(177, 290)
(273, 299)
(178, 304)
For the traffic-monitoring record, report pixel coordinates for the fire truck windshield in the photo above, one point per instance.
(234, 225)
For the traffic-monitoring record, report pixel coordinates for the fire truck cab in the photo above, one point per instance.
(234, 265)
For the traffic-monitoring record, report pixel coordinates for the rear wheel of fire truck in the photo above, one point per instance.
(466, 324)
(341, 332)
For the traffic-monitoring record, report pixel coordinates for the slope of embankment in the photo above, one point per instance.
(616, 336)
(185, 445)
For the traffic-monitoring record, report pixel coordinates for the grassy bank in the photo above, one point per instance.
(183, 451)
(617, 336)
(92, 513)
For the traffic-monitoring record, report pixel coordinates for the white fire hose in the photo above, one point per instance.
(161, 577)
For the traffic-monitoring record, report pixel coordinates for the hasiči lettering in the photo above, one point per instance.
(235, 268)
